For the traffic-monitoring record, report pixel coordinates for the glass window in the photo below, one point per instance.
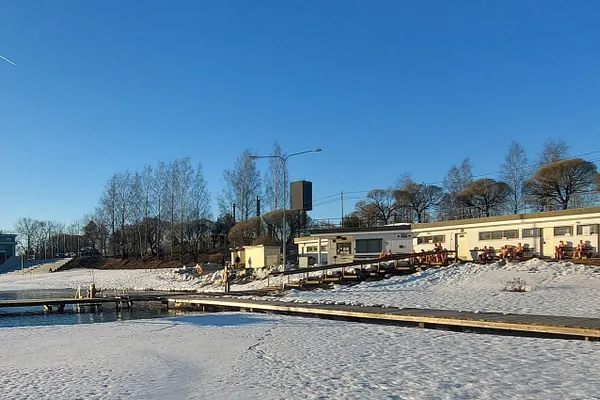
(485, 235)
(591, 229)
(344, 249)
(424, 239)
(439, 239)
(369, 245)
(497, 235)
(511, 234)
(563, 230)
(533, 232)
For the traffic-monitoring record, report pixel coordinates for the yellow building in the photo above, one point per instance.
(259, 256)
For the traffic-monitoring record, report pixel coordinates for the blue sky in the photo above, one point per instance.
(384, 87)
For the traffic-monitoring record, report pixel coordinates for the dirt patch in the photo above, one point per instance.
(115, 263)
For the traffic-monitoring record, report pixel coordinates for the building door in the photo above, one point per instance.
(547, 242)
(462, 251)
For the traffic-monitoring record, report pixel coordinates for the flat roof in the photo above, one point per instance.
(334, 231)
(509, 217)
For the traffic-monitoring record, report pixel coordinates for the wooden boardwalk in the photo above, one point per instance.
(498, 323)
(563, 327)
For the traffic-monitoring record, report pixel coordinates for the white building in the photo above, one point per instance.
(539, 232)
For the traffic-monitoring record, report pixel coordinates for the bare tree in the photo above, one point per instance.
(366, 212)
(513, 173)
(172, 190)
(418, 197)
(558, 181)
(108, 209)
(274, 185)
(124, 208)
(552, 151)
(241, 185)
(200, 196)
(160, 195)
(26, 229)
(384, 203)
(485, 195)
(455, 181)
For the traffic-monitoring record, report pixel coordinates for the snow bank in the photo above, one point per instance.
(557, 288)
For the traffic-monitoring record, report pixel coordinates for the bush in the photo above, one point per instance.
(517, 285)
(215, 258)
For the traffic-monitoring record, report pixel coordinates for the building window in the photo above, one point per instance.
(529, 233)
(424, 239)
(497, 235)
(369, 245)
(404, 235)
(431, 239)
(563, 230)
(311, 249)
(439, 239)
(587, 229)
(485, 235)
(344, 249)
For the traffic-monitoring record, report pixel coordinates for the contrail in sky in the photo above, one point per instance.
(7, 60)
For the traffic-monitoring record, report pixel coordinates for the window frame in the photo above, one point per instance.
(378, 248)
(568, 227)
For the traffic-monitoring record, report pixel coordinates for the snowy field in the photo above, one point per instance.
(255, 356)
(259, 356)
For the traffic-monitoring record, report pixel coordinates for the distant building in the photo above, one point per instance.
(8, 246)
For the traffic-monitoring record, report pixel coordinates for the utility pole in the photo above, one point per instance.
(342, 200)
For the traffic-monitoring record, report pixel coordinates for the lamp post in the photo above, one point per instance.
(284, 161)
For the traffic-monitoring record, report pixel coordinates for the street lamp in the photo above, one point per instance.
(284, 161)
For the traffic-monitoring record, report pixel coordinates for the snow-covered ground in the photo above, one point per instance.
(559, 288)
(256, 356)
(252, 356)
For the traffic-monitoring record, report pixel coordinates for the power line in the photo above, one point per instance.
(529, 166)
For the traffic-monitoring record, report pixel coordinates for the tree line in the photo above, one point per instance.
(164, 211)
(553, 182)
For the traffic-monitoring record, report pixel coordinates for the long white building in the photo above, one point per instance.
(539, 232)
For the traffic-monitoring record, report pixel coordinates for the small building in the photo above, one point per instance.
(8, 246)
(350, 244)
(258, 256)
(312, 251)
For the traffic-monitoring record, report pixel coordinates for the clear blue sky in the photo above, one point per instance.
(383, 87)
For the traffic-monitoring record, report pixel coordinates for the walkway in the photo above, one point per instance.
(498, 323)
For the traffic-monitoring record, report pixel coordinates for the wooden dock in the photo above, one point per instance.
(498, 323)
(562, 327)
(49, 304)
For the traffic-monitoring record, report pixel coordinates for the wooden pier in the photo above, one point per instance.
(562, 327)
(498, 323)
(58, 304)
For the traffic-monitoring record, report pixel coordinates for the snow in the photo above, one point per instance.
(557, 288)
(262, 356)
(254, 356)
